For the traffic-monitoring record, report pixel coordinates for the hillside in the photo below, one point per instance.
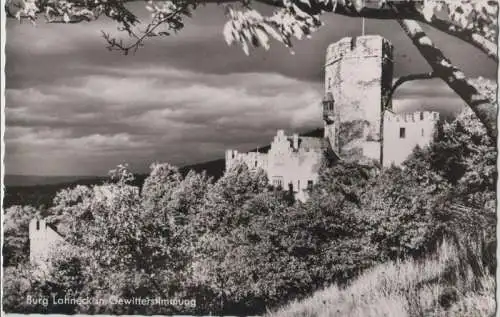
(34, 180)
(441, 285)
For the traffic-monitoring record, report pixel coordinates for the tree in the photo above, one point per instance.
(221, 215)
(447, 188)
(24, 292)
(124, 242)
(336, 218)
(16, 234)
(473, 21)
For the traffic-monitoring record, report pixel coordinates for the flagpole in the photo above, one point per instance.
(363, 23)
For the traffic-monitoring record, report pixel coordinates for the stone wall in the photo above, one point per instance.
(287, 164)
(43, 240)
(358, 74)
(403, 132)
(252, 159)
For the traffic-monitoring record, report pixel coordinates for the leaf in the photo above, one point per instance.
(228, 32)
(358, 5)
(428, 11)
(262, 37)
(271, 31)
(306, 2)
(244, 46)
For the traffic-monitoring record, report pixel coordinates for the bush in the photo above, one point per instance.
(16, 245)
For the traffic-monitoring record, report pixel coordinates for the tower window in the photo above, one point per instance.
(309, 184)
(402, 133)
(329, 82)
(422, 132)
(38, 225)
(328, 102)
(421, 116)
(255, 163)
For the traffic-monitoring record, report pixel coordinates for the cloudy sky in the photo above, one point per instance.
(74, 108)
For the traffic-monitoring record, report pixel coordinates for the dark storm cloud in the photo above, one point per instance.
(164, 111)
(72, 107)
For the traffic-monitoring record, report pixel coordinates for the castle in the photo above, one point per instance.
(359, 123)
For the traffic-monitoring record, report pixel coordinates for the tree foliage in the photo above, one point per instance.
(241, 246)
(291, 18)
(124, 242)
(15, 229)
(447, 188)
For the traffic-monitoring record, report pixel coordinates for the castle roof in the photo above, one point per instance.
(54, 227)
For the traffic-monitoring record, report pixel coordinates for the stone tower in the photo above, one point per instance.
(358, 78)
(43, 240)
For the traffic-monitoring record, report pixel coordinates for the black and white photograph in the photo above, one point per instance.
(273, 158)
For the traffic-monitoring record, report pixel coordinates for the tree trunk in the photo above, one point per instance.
(454, 77)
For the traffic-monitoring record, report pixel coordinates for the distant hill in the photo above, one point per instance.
(41, 190)
(32, 180)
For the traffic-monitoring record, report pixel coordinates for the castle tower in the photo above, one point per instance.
(43, 240)
(358, 78)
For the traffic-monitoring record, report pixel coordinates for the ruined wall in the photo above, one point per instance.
(293, 165)
(252, 159)
(403, 132)
(43, 240)
(358, 74)
(286, 164)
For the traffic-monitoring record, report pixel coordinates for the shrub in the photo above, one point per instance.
(16, 246)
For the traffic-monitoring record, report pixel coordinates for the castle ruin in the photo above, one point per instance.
(43, 240)
(359, 123)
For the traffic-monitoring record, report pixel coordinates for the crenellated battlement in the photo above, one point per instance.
(359, 47)
(359, 124)
(252, 159)
(403, 132)
(423, 117)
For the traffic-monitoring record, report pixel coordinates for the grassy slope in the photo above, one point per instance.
(441, 285)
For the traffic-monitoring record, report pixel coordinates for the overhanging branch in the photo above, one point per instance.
(452, 75)
(480, 42)
(405, 10)
(403, 79)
